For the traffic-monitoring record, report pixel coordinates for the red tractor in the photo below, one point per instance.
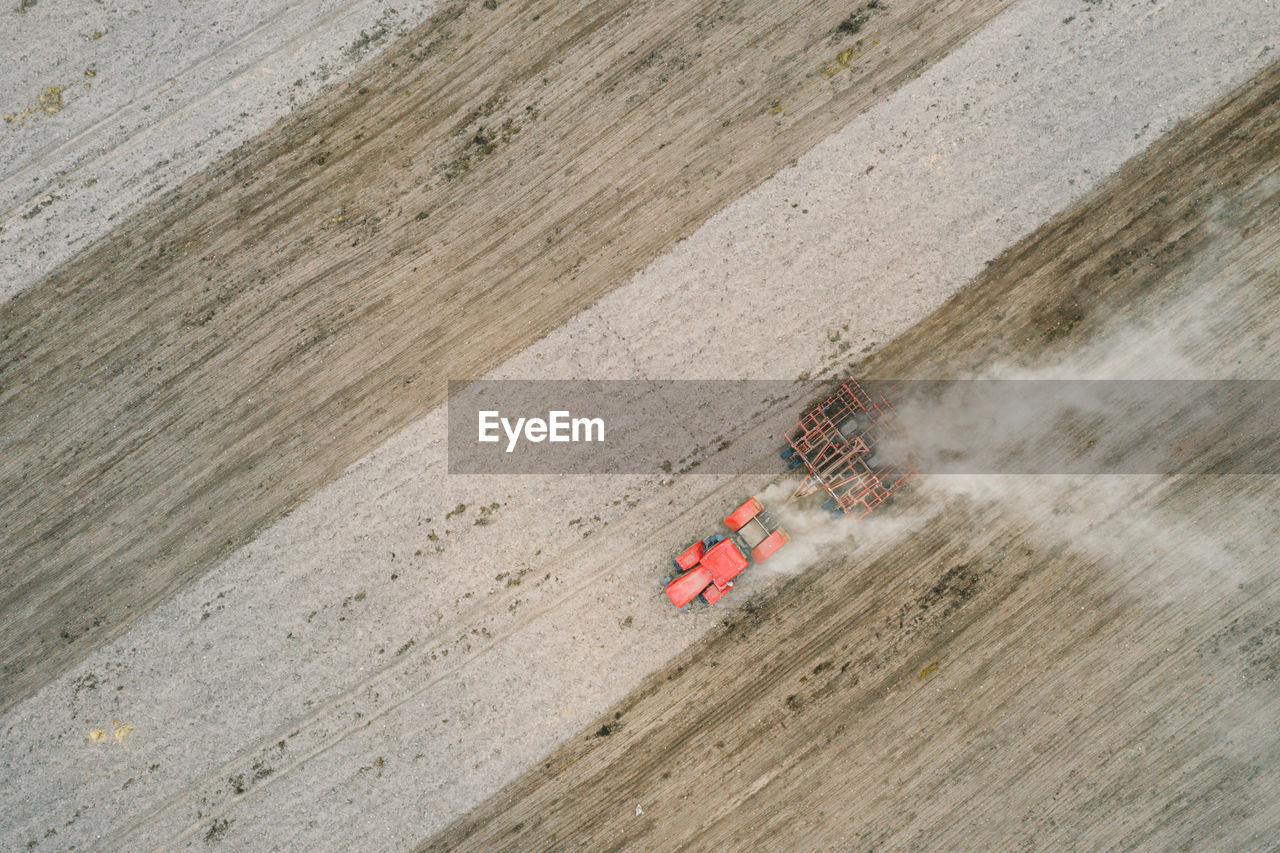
(837, 445)
(708, 566)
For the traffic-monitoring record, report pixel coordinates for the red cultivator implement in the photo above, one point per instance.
(838, 444)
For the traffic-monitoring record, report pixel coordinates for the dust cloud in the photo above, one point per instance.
(1174, 536)
(814, 533)
(1178, 537)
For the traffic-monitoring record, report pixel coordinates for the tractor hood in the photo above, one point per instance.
(688, 586)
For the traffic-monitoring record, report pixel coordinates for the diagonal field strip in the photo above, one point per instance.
(175, 389)
(1045, 664)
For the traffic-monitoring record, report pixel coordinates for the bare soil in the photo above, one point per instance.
(1044, 662)
(245, 339)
